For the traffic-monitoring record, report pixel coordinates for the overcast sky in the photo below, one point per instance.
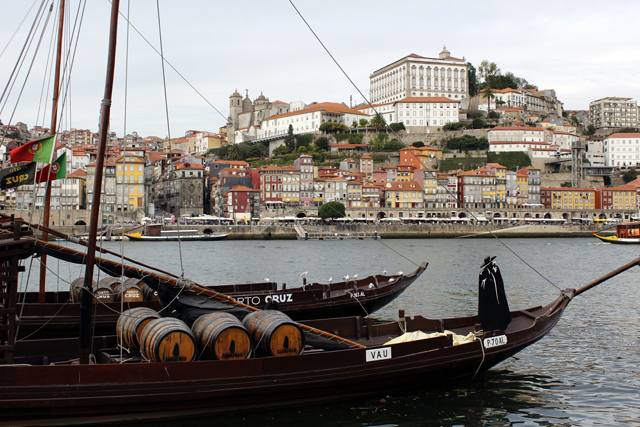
(585, 50)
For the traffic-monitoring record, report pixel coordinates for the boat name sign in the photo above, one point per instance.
(495, 341)
(378, 354)
(257, 300)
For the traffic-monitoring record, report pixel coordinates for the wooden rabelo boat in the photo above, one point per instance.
(626, 233)
(42, 382)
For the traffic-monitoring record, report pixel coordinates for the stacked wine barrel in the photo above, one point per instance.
(274, 333)
(101, 292)
(216, 335)
(109, 289)
(130, 325)
(221, 336)
(167, 340)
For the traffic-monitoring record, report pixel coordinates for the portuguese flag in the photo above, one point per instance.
(34, 151)
(56, 170)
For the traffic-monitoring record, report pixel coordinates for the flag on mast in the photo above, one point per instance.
(34, 151)
(56, 170)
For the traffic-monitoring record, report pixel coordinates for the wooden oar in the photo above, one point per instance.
(635, 262)
(195, 287)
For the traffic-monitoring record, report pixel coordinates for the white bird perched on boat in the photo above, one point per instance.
(399, 273)
(384, 272)
(355, 276)
(330, 279)
(346, 277)
(266, 279)
(304, 274)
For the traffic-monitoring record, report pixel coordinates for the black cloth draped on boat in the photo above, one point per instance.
(493, 308)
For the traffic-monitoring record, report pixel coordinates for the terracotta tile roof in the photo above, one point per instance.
(518, 128)
(403, 186)
(625, 135)
(330, 107)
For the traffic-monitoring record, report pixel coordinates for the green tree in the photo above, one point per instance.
(452, 126)
(364, 123)
(630, 175)
(303, 140)
(418, 144)
(478, 123)
(494, 115)
(487, 94)
(488, 69)
(290, 139)
(279, 151)
(397, 127)
(331, 127)
(394, 145)
(473, 80)
(234, 152)
(331, 210)
(322, 143)
(510, 160)
(591, 130)
(379, 142)
(467, 143)
(255, 151)
(377, 121)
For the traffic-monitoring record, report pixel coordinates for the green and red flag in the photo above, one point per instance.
(34, 151)
(56, 170)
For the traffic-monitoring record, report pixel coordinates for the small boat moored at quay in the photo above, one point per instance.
(626, 233)
(155, 233)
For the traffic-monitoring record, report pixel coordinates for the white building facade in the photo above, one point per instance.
(418, 76)
(418, 114)
(622, 149)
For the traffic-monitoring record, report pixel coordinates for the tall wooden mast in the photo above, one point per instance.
(87, 297)
(54, 129)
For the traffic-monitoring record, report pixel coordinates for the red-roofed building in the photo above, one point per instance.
(404, 195)
(419, 76)
(241, 204)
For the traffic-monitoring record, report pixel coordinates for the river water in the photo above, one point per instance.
(585, 372)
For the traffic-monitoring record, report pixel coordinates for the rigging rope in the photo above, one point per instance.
(166, 103)
(378, 115)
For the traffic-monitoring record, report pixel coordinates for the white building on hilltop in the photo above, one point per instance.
(418, 76)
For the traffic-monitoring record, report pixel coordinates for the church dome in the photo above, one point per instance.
(236, 93)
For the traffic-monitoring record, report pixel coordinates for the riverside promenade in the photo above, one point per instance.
(401, 231)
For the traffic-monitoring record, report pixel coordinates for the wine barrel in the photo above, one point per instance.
(221, 336)
(111, 282)
(130, 292)
(130, 325)
(76, 288)
(147, 292)
(274, 333)
(167, 340)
